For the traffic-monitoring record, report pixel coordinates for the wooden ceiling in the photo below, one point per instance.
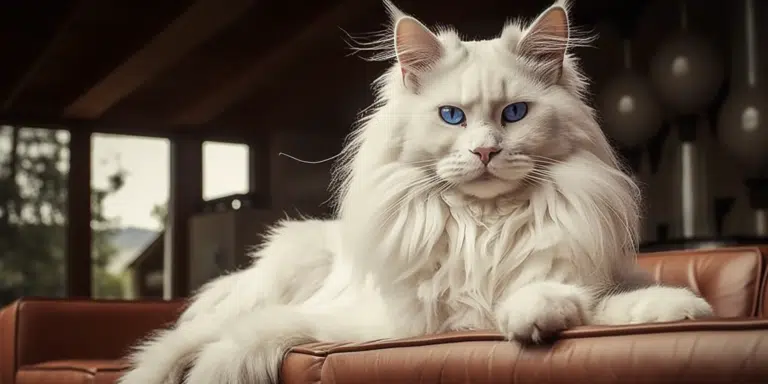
(205, 67)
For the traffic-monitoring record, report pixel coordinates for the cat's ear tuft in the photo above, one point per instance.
(417, 49)
(394, 12)
(545, 41)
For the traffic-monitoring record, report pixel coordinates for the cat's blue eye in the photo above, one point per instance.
(452, 115)
(514, 112)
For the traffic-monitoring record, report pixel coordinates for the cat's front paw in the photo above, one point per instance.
(538, 311)
(652, 305)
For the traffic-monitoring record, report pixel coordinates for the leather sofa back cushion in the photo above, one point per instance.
(729, 279)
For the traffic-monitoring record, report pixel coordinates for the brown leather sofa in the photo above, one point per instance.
(82, 341)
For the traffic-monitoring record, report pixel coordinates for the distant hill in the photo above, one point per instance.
(133, 237)
(129, 241)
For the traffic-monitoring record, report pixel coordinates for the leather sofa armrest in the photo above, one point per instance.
(34, 331)
(711, 351)
(763, 307)
(729, 279)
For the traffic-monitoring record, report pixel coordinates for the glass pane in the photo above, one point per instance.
(225, 169)
(34, 167)
(129, 189)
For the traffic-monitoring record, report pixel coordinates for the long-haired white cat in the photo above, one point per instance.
(479, 193)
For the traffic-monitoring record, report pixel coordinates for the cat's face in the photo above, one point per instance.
(485, 122)
(481, 115)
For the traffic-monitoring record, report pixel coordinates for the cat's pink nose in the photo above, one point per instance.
(486, 153)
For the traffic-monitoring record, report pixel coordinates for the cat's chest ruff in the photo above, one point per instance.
(479, 254)
(484, 213)
(461, 288)
(476, 238)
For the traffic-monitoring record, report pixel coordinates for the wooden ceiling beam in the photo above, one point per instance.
(53, 45)
(200, 22)
(212, 104)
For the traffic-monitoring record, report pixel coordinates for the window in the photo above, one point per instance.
(225, 169)
(129, 189)
(34, 168)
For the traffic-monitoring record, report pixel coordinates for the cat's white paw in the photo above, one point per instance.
(229, 361)
(652, 305)
(538, 311)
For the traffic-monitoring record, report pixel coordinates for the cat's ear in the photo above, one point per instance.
(417, 49)
(545, 41)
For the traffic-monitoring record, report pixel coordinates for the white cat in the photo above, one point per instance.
(480, 193)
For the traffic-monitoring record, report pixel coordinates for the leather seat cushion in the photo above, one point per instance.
(72, 372)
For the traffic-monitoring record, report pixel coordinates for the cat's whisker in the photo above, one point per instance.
(431, 161)
(549, 160)
(544, 173)
(539, 164)
(543, 177)
(427, 169)
(537, 180)
(425, 164)
(539, 176)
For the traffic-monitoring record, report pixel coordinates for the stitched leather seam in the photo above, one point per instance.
(735, 325)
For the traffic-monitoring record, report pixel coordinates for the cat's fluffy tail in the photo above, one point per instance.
(163, 358)
(207, 349)
(291, 266)
(249, 348)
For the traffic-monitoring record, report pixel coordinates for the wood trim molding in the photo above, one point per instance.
(78, 252)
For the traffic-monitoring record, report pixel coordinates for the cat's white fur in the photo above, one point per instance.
(423, 243)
